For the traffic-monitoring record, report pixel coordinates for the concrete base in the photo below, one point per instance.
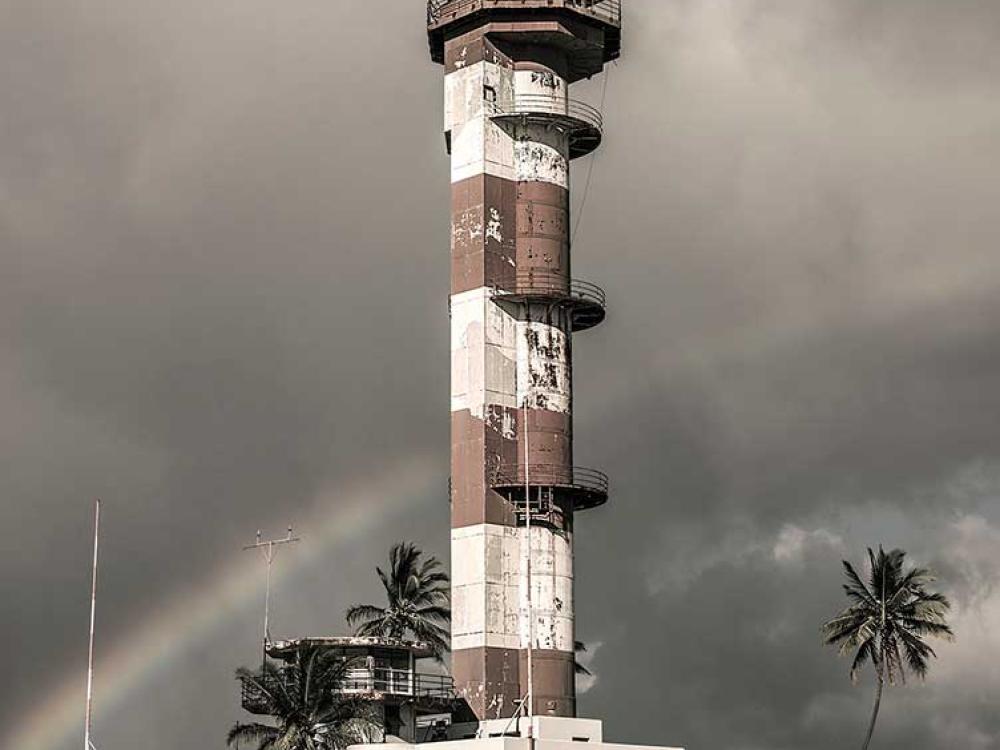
(537, 733)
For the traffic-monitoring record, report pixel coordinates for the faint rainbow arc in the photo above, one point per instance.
(193, 615)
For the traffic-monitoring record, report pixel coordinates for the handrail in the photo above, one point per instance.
(360, 681)
(556, 475)
(546, 104)
(551, 284)
(609, 11)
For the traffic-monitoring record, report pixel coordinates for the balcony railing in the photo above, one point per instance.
(586, 488)
(583, 123)
(400, 682)
(374, 683)
(549, 106)
(607, 11)
(587, 301)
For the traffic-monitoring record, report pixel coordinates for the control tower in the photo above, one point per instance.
(512, 129)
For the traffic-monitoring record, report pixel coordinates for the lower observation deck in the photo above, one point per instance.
(565, 486)
(587, 302)
(583, 123)
(377, 669)
(384, 685)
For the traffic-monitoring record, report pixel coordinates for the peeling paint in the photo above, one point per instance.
(536, 161)
(489, 580)
(483, 353)
(494, 228)
(544, 378)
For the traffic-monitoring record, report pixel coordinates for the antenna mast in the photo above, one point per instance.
(87, 744)
(269, 552)
(527, 523)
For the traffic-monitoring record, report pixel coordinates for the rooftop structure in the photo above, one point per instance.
(385, 671)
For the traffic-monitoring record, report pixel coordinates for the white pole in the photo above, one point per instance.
(90, 648)
(527, 523)
(267, 595)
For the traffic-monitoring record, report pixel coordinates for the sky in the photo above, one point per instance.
(223, 308)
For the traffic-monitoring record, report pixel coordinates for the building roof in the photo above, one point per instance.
(419, 649)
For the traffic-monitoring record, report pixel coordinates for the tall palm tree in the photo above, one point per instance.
(418, 601)
(887, 622)
(310, 712)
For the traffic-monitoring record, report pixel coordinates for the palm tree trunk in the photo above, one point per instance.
(878, 703)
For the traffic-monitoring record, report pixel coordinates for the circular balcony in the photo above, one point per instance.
(587, 302)
(583, 123)
(573, 486)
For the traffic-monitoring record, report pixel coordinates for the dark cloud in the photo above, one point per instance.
(222, 303)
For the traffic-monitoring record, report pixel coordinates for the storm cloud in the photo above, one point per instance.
(223, 307)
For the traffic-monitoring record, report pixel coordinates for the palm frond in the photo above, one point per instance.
(251, 733)
(361, 613)
(864, 654)
(418, 600)
(888, 617)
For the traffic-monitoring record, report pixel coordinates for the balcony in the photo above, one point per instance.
(587, 302)
(566, 486)
(391, 685)
(583, 123)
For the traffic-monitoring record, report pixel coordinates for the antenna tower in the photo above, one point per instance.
(268, 549)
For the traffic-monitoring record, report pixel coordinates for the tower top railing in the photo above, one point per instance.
(607, 11)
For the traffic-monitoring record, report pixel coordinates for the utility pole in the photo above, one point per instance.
(269, 550)
(87, 744)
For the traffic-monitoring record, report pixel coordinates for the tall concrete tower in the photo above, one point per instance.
(512, 129)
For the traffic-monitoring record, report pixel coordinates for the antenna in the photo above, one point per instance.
(87, 744)
(269, 551)
(529, 699)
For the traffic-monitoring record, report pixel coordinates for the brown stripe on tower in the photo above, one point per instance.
(542, 230)
(483, 239)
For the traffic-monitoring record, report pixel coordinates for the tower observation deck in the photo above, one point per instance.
(511, 130)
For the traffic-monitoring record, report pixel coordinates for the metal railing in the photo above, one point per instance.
(550, 475)
(608, 11)
(550, 284)
(398, 682)
(378, 681)
(546, 106)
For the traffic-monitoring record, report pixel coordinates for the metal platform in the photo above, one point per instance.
(382, 685)
(567, 487)
(587, 302)
(583, 123)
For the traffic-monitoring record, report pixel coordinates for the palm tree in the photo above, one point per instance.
(887, 622)
(418, 601)
(304, 699)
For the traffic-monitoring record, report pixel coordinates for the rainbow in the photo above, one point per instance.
(225, 595)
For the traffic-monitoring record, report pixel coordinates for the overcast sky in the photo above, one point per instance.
(223, 307)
